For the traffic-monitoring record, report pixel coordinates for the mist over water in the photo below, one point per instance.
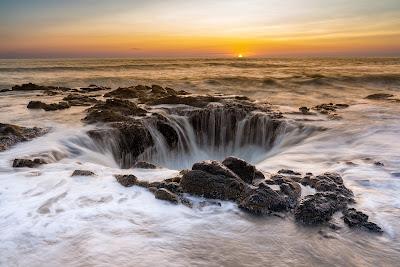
(48, 218)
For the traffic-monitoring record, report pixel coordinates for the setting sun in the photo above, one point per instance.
(240, 56)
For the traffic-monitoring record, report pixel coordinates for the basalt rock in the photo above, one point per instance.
(83, 173)
(48, 107)
(127, 180)
(379, 96)
(144, 165)
(80, 100)
(354, 218)
(93, 88)
(113, 110)
(34, 87)
(28, 163)
(241, 168)
(13, 134)
(165, 194)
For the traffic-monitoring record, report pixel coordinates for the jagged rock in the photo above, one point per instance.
(80, 100)
(129, 92)
(34, 87)
(258, 175)
(144, 165)
(83, 173)
(165, 194)
(48, 107)
(13, 134)
(93, 88)
(241, 168)
(286, 171)
(113, 110)
(378, 163)
(29, 163)
(127, 180)
(194, 101)
(211, 179)
(329, 109)
(264, 200)
(379, 96)
(319, 208)
(304, 110)
(354, 218)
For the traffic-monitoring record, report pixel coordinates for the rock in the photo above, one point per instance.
(83, 173)
(258, 175)
(214, 167)
(92, 88)
(171, 186)
(29, 163)
(354, 218)
(378, 163)
(330, 109)
(241, 168)
(144, 165)
(5, 90)
(212, 182)
(13, 134)
(194, 101)
(129, 92)
(319, 208)
(379, 96)
(165, 194)
(263, 200)
(34, 87)
(113, 110)
(80, 100)
(304, 110)
(48, 107)
(286, 171)
(127, 180)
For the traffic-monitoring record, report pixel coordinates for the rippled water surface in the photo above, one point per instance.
(48, 218)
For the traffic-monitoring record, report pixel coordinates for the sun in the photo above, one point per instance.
(240, 56)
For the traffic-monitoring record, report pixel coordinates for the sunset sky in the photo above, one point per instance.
(207, 28)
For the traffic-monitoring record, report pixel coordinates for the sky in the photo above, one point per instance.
(206, 28)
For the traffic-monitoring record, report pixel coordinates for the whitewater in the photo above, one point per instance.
(49, 218)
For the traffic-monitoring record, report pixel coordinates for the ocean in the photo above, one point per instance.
(96, 222)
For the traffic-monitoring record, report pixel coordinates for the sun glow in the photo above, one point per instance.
(240, 56)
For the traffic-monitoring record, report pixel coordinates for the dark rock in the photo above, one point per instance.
(171, 186)
(378, 163)
(258, 175)
(241, 168)
(4, 90)
(113, 110)
(80, 100)
(93, 88)
(263, 200)
(212, 182)
(129, 92)
(144, 165)
(48, 107)
(165, 194)
(83, 173)
(319, 208)
(329, 109)
(29, 163)
(194, 101)
(127, 180)
(379, 96)
(304, 110)
(286, 171)
(354, 218)
(34, 87)
(13, 134)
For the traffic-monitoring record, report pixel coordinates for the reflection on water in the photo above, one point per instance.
(48, 218)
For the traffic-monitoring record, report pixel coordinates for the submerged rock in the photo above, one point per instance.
(83, 173)
(354, 218)
(379, 96)
(13, 134)
(165, 194)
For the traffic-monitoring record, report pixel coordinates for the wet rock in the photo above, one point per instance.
(304, 110)
(211, 179)
(263, 200)
(13, 134)
(378, 163)
(34, 87)
(113, 110)
(127, 180)
(379, 96)
(241, 168)
(80, 100)
(29, 163)
(165, 194)
(319, 208)
(354, 218)
(194, 101)
(93, 88)
(5, 90)
(129, 92)
(258, 175)
(286, 171)
(144, 165)
(330, 109)
(83, 173)
(48, 107)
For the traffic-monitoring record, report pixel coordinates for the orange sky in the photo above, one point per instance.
(209, 29)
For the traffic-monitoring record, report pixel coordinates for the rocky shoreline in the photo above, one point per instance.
(131, 122)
